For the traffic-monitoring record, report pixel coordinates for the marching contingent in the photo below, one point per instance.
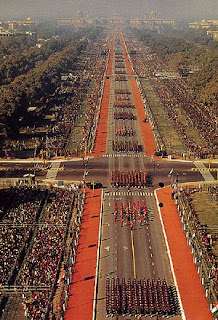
(128, 179)
(124, 116)
(139, 297)
(125, 146)
(124, 131)
(131, 213)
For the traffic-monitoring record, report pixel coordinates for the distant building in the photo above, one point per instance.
(15, 24)
(5, 33)
(10, 34)
(204, 24)
(151, 21)
(213, 34)
(115, 19)
(77, 21)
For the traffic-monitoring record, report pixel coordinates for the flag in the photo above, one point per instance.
(61, 276)
(170, 173)
(215, 309)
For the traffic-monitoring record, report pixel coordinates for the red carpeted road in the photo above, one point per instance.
(128, 64)
(101, 136)
(146, 129)
(109, 67)
(191, 291)
(80, 303)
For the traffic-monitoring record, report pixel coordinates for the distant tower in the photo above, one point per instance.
(79, 14)
(115, 14)
(153, 15)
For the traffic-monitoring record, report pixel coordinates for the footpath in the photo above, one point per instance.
(191, 291)
(81, 291)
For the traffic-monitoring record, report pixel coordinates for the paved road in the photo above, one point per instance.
(139, 252)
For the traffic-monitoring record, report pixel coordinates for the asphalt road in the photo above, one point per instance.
(140, 252)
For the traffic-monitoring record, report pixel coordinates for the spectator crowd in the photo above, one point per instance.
(16, 226)
(202, 237)
(34, 229)
(84, 87)
(178, 100)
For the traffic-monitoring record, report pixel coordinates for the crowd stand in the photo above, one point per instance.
(16, 228)
(176, 98)
(201, 238)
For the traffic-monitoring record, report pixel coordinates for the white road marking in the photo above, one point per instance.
(129, 193)
(107, 248)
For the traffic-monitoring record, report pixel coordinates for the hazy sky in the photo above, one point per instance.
(178, 9)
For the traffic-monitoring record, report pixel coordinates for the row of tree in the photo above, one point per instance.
(23, 59)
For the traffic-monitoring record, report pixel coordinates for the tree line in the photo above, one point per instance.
(36, 85)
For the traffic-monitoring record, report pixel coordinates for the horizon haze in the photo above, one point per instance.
(53, 9)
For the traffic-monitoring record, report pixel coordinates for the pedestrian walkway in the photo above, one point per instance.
(129, 193)
(205, 174)
(191, 291)
(53, 171)
(81, 293)
(115, 155)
